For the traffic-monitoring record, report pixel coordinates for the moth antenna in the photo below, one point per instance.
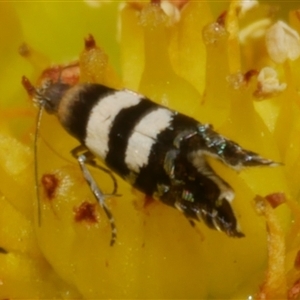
(32, 92)
(35, 157)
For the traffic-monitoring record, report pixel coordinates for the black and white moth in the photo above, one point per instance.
(159, 151)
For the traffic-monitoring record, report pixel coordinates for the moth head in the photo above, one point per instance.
(48, 95)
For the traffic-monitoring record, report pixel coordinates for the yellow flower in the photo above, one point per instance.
(238, 71)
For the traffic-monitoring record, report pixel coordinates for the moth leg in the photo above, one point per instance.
(92, 162)
(84, 159)
(232, 154)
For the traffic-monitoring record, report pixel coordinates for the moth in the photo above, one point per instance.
(159, 151)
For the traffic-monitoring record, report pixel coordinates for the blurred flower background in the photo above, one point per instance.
(232, 64)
